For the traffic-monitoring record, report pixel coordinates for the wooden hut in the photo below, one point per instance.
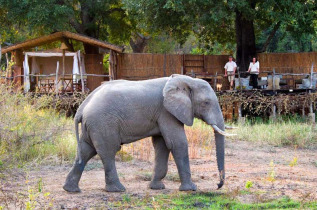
(60, 70)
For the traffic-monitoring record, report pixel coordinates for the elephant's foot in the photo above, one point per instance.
(71, 188)
(189, 186)
(157, 185)
(115, 187)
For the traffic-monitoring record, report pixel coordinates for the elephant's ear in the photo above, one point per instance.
(177, 100)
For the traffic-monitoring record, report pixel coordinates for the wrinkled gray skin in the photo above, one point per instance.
(121, 112)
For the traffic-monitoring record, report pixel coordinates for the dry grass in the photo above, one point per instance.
(282, 133)
(200, 141)
(29, 132)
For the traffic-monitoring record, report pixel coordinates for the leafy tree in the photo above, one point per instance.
(102, 19)
(226, 21)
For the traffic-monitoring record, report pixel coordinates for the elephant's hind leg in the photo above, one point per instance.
(113, 183)
(73, 177)
(107, 148)
(161, 162)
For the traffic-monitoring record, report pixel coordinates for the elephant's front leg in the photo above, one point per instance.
(174, 134)
(180, 154)
(161, 162)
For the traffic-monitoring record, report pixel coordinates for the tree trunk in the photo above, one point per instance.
(245, 41)
(138, 42)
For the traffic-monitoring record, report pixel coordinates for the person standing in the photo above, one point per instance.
(230, 70)
(254, 70)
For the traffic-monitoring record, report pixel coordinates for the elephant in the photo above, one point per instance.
(121, 112)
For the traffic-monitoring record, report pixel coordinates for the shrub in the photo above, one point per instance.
(28, 131)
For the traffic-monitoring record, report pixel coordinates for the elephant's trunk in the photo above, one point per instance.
(220, 153)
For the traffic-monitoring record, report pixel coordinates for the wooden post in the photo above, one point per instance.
(56, 79)
(164, 65)
(183, 63)
(215, 82)
(110, 66)
(241, 120)
(311, 115)
(115, 64)
(273, 113)
(81, 73)
(311, 75)
(63, 80)
(204, 68)
(7, 69)
(239, 79)
(273, 82)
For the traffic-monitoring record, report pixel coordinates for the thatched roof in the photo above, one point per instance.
(59, 36)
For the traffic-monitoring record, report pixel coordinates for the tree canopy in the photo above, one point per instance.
(103, 19)
(227, 21)
(250, 26)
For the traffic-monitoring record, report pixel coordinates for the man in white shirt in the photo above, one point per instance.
(254, 70)
(230, 70)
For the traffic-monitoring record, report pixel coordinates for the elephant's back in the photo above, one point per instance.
(126, 97)
(130, 108)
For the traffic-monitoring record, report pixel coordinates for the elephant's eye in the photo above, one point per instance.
(206, 103)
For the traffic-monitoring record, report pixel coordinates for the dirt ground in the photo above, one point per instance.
(273, 171)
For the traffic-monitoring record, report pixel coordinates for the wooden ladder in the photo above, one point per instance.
(195, 63)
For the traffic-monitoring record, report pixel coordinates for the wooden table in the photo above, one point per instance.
(46, 84)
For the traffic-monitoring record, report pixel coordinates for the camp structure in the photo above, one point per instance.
(61, 70)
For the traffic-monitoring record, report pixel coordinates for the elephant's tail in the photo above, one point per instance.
(78, 140)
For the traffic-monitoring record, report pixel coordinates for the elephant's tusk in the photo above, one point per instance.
(230, 127)
(221, 131)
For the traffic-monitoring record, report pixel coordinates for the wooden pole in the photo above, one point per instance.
(239, 79)
(241, 120)
(110, 66)
(215, 82)
(273, 113)
(7, 59)
(273, 82)
(7, 69)
(182, 64)
(63, 70)
(164, 65)
(311, 75)
(113, 64)
(56, 79)
(81, 73)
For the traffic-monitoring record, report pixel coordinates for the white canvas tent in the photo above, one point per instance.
(44, 63)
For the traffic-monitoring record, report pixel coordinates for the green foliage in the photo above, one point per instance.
(293, 162)
(103, 19)
(161, 43)
(205, 201)
(213, 22)
(284, 41)
(248, 184)
(272, 173)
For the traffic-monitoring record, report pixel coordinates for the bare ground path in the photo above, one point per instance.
(292, 172)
